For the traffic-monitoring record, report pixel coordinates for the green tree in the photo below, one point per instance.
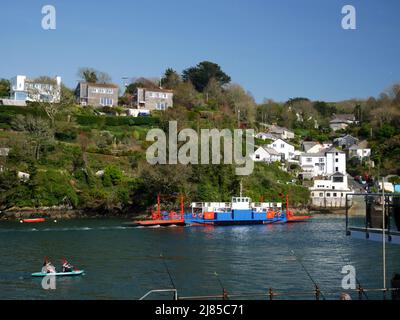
(201, 75)
(171, 79)
(4, 88)
(112, 176)
(242, 102)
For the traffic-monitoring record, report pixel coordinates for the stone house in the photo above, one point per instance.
(154, 99)
(97, 94)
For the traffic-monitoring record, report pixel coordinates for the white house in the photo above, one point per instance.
(313, 164)
(38, 90)
(314, 147)
(283, 148)
(265, 154)
(324, 163)
(335, 161)
(357, 151)
(342, 121)
(23, 176)
(281, 132)
(331, 192)
(266, 136)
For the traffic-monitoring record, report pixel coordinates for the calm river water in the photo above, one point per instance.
(125, 263)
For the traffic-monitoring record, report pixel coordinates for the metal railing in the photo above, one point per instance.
(316, 294)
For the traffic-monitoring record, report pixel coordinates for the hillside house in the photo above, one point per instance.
(265, 154)
(331, 192)
(267, 136)
(154, 99)
(324, 163)
(342, 121)
(285, 149)
(97, 94)
(345, 142)
(23, 89)
(281, 132)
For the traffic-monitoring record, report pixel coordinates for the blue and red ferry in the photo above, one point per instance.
(240, 211)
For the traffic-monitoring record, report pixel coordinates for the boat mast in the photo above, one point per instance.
(241, 188)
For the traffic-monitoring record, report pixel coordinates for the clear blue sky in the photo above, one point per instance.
(274, 48)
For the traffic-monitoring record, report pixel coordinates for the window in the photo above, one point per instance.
(282, 146)
(321, 160)
(106, 101)
(328, 195)
(335, 195)
(309, 160)
(337, 160)
(337, 179)
(161, 106)
(337, 169)
(321, 195)
(258, 156)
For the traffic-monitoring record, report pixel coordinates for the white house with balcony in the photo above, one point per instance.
(286, 150)
(35, 90)
(324, 163)
(331, 192)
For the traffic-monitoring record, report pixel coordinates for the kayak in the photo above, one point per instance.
(60, 274)
(39, 220)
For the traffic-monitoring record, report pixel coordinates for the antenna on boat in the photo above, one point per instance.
(306, 271)
(169, 273)
(241, 188)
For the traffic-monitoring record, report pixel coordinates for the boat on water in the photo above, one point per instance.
(59, 274)
(36, 220)
(240, 211)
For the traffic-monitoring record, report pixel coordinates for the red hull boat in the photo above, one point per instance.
(38, 220)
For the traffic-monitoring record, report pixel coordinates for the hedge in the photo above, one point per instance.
(100, 121)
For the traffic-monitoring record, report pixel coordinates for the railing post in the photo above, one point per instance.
(225, 295)
(317, 292)
(271, 294)
(360, 292)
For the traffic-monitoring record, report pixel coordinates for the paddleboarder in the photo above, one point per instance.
(48, 267)
(67, 267)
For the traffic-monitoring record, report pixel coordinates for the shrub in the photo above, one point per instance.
(68, 135)
(112, 176)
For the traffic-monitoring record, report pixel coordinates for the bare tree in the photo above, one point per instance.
(38, 129)
(93, 76)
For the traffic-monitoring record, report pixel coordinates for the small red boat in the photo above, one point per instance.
(291, 218)
(37, 220)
